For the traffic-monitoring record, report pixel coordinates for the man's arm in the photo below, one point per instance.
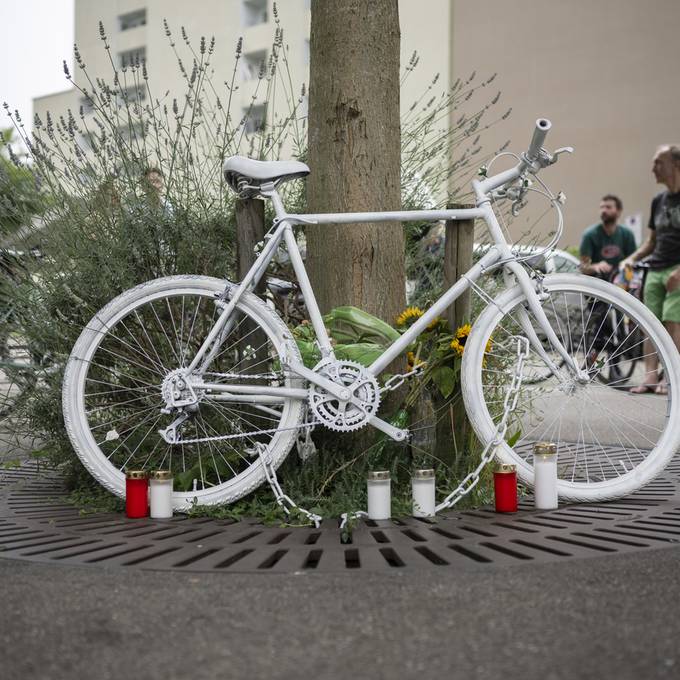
(647, 248)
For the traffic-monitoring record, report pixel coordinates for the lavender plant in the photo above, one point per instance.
(105, 225)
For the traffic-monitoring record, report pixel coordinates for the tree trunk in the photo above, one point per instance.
(354, 154)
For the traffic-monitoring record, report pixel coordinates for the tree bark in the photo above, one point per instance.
(354, 154)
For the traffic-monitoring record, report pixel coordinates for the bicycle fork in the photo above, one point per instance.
(533, 298)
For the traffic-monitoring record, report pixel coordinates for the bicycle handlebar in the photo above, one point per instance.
(543, 125)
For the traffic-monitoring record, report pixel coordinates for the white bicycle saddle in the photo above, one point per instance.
(239, 171)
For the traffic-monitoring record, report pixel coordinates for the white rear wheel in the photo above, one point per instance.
(610, 442)
(112, 396)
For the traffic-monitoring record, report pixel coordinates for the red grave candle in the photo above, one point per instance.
(136, 494)
(505, 488)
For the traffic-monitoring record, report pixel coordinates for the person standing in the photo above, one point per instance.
(661, 252)
(606, 244)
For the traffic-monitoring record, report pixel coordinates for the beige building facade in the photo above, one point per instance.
(603, 71)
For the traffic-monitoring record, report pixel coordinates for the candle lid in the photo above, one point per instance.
(136, 474)
(505, 468)
(426, 473)
(379, 476)
(545, 448)
(161, 475)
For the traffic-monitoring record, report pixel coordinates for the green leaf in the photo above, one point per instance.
(445, 378)
(514, 438)
(350, 325)
(364, 353)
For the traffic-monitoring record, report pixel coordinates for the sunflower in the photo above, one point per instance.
(459, 340)
(409, 315)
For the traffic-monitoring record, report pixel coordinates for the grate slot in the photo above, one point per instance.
(538, 546)
(506, 551)
(535, 522)
(646, 528)
(636, 535)
(272, 559)
(516, 528)
(379, 537)
(620, 541)
(469, 553)
(194, 558)
(413, 535)
(146, 558)
(279, 537)
(44, 541)
(233, 559)
(106, 546)
(391, 557)
(200, 537)
(582, 544)
(312, 560)
(12, 538)
(446, 534)
(352, 560)
(430, 555)
(43, 551)
(312, 538)
(243, 539)
(479, 532)
(127, 551)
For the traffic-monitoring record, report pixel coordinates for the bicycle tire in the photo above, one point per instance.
(558, 398)
(109, 332)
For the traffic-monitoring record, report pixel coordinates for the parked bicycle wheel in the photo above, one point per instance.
(114, 379)
(610, 442)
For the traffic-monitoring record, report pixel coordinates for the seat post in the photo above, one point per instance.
(268, 190)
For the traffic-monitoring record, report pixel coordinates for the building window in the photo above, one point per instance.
(132, 19)
(132, 94)
(132, 57)
(252, 63)
(254, 12)
(256, 117)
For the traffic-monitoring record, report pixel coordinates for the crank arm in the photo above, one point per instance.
(339, 391)
(395, 433)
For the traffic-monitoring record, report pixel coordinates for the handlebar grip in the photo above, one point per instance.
(540, 132)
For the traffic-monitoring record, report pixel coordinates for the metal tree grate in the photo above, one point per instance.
(37, 524)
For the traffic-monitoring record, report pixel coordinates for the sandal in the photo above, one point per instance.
(661, 388)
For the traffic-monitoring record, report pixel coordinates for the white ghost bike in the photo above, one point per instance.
(199, 375)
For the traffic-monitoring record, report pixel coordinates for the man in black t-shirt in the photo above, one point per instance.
(661, 251)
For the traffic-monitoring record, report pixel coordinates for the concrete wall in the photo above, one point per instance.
(605, 72)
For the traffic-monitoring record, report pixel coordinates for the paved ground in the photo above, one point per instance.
(611, 617)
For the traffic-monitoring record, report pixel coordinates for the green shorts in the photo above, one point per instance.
(664, 305)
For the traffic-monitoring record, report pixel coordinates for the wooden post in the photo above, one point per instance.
(453, 429)
(458, 242)
(249, 231)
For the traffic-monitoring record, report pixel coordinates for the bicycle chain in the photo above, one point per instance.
(286, 503)
(509, 405)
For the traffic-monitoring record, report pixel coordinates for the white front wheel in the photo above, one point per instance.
(610, 441)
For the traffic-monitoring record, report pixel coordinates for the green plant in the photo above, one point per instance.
(106, 229)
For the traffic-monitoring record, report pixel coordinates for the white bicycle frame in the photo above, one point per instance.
(500, 254)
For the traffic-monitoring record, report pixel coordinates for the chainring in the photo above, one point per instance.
(339, 415)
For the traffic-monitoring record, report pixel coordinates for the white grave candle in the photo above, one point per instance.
(545, 476)
(379, 495)
(422, 488)
(160, 494)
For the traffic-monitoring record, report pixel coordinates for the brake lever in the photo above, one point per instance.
(563, 149)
